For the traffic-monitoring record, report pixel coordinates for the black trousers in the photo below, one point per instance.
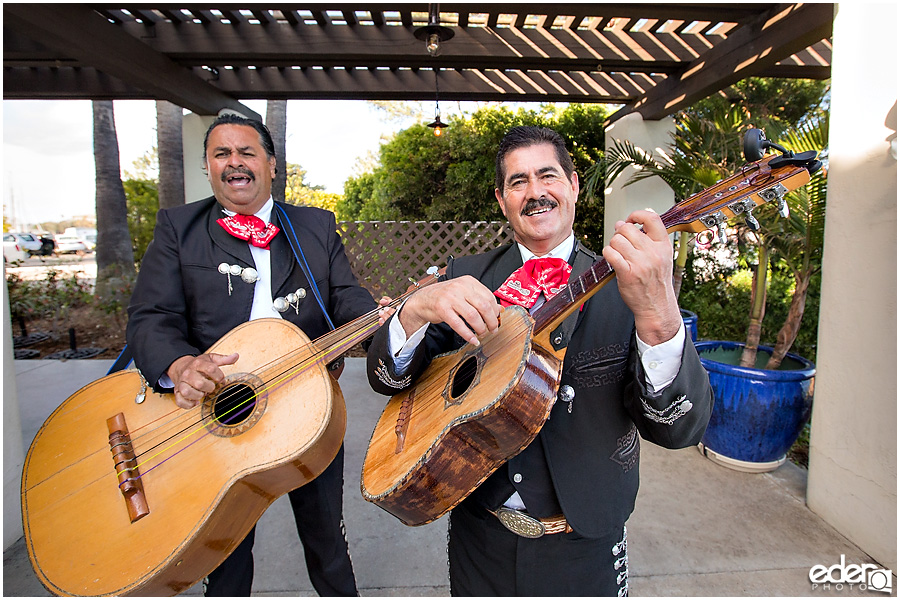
(318, 513)
(486, 559)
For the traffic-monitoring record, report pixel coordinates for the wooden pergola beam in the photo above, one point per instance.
(79, 31)
(759, 45)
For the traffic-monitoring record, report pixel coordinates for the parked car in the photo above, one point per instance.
(90, 240)
(12, 250)
(28, 242)
(69, 244)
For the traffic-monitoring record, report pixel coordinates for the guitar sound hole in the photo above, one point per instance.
(464, 377)
(235, 404)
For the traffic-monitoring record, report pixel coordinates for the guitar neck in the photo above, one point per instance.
(334, 344)
(756, 184)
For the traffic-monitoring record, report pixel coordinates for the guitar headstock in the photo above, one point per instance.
(767, 179)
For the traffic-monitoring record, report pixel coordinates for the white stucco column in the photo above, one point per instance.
(13, 450)
(193, 130)
(650, 136)
(853, 448)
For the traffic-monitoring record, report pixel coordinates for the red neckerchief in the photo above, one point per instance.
(525, 285)
(250, 228)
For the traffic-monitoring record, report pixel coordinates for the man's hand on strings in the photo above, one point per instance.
(197, 376)
(642, 259)
(463, 303)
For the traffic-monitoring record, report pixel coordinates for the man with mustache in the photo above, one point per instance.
(629, 370)
(228, 259)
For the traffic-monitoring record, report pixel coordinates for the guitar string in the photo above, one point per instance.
(769, 175)
(350, 330)
(467, 370)
(335, 342)
(229, 406)
(232, 400)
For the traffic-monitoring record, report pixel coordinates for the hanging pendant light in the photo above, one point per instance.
(434, 33)
(437, 124)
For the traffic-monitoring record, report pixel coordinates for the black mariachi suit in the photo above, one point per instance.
(181, 305)
(584, 462)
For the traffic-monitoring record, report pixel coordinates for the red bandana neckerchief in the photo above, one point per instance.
(250, 228)
(524, 286)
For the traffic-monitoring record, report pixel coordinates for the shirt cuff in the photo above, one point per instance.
(662, 361)
(401, 348)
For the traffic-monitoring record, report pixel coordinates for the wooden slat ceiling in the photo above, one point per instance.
(653, 58)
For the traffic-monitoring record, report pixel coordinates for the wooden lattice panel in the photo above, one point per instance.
(385, 255)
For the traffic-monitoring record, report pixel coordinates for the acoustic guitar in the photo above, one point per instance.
(474, 408)
(124, 493)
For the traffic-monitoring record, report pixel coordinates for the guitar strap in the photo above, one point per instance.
(304, 266)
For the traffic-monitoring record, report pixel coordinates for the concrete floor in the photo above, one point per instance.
(698, 529)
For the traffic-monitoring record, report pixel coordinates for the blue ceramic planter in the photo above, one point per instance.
(758, 413)
(690, 323)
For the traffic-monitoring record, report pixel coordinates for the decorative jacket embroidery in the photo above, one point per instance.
(671, 413)
(384, 375)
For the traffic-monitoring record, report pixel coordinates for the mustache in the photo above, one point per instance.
(242, 170)
(536, 203)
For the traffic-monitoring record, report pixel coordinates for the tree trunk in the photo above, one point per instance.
(170, 150)
(788, 332)
(115, 257)
(757, 308)
(276, 121)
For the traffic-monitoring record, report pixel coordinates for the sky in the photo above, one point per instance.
(48, 164)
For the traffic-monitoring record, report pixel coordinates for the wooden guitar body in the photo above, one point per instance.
(95, 528)
(438, 441)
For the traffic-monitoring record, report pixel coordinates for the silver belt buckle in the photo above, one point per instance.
(520, 523)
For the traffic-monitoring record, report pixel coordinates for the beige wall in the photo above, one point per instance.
(650, 136)
(853, 448)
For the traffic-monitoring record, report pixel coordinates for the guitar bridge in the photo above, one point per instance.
(126, 468)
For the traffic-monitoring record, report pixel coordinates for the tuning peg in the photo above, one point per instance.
(432, 270)
(751, 221)
(783, 209)
(720, 233)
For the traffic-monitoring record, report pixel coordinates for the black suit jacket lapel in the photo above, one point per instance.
(508, 262)
(281, 256)
(237, 248)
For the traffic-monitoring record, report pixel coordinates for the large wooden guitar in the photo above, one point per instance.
(124, 493)
(473, 409)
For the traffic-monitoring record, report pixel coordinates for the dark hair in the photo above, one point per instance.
(265, 138)
(522, 137)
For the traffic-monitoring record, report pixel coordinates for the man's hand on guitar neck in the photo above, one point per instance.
(197, 376)
(642, 259)
(463, 303)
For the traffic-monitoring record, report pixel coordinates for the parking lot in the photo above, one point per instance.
(36, 267)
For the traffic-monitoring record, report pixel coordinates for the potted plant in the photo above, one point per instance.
(763, 394)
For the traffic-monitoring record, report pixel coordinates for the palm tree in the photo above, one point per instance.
(706, 149)
(115, 257)
(170, 151)
(276, 121)
(799, 239)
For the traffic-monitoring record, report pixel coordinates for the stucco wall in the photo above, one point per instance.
(853, 448)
